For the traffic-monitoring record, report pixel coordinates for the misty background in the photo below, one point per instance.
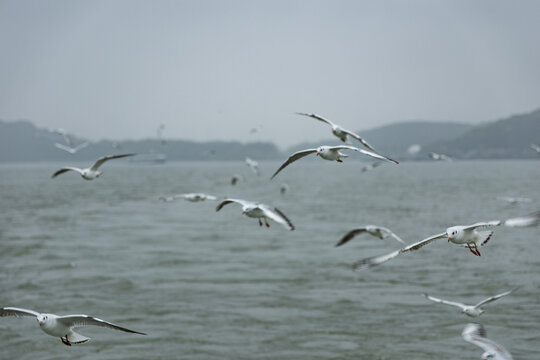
(214, 70)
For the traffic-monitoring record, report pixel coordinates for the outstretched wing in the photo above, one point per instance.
(390, 233)
(81, 146)
(357, 137)
(101, 160)
(365, 152)
(17, 312)
(493, 298)
(523, 221)
(318, 117)
(376, 260)
(293, 158)
(65, 169)
(228, 201)
(277, 216)
(446, 302)
(476, 334)
(65, 148)
(73, 321)
(348, 236)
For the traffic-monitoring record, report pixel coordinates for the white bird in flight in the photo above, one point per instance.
(260, 211)
(253, 165)
(470, 310)
(64, 134)
(476, 334)
(377, 231)
(193, 197)
(338, 131)
(467, 236)
(62, 326)
(535, 148)
(71, 150)
(439, 157)
(92, 172)
(331, 153)
(514, 200)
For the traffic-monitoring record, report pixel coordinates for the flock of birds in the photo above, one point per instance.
(467, 236)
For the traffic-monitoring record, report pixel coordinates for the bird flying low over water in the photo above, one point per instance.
(377, 231)
(92, 172)
(439, 157)
(62, 326)
(461, 235)
(260, 211)
(338, 131)
(476, 334)
(253, 165)
(71, 150)
(470, 310)
(331, 153)
(193, 197)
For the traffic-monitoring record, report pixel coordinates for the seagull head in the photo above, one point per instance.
(454, 232)
(42, 318)
(321, 149)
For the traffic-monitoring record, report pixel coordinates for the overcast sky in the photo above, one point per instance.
(212, 70)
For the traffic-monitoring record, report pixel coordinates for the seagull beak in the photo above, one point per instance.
(243, 212)
(449, 239)
(318, 153)
(41, 323)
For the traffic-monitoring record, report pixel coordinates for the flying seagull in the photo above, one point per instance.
(338, 131)
(260, 211)
(64, 134)
(467, 236)
(71, 150)
(377, 231)
(514, 200)
(92, 172)
(439, 157)
(331, 153)
(62, 326)
(253, 165)
(535, 148)
(470, 310)
(476, 334)
(236, 178)
(193, 197)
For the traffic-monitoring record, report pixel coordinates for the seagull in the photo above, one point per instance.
(514, 200)
(236, 178)
(371, 166)
(62, 326)
(467, 236)
(253, 165)
(64, 134)
(377, 231)
(193, 197)
(476, 334)
(260, 211)
(92, 172)
(535, 148)
(470, 310)
(439, 157)
(328, 153)
(338, 131)
(71, 150)
(283, 189)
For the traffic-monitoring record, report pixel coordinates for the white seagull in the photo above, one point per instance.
(193, 197)
(470, 310)
(253, 165)
(439, 157)
(338, 131)
(377, 231)
(535, 148)
(71, 150)
(467, 236)
(64, 134)
(330, 153)
(92, 172)
(514, 200)
(62, 326)
(260, 211)
(476, 334)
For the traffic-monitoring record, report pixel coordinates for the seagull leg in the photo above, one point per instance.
(266, 223)
(260, 222)
(65, 341)
(339, 160)
(474, 251)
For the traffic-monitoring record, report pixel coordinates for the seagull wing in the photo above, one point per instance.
(210, 197)
(229, 201)
(476, 334)
(17, 312)
(73, 321)
(293, 158)
(65, 148)
(446, 302)
(81, 146)
(101, 160)
(348, 236)
(493, 298)
(318, 117)
(376, 260)
(277, 216)
(390, 233)
(357, 137)
(365, 152)
(65, 169)
(523, 221)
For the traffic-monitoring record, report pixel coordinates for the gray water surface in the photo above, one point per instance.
(214, 285)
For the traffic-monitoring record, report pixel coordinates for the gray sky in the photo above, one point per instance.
(214, 69)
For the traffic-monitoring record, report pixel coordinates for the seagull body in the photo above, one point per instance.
(260, 211)
(62, 326)
(468, 236)
(377, 231)
(193, 197)
(253, 165)
(476, 334)
(470, 310)
(71, 150)
(331, 153)
(514, 200)
(439, 157)
(338, 131)
(64, 134)
(535, 148)
(92, 172)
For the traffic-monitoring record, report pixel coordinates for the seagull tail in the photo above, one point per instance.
(76, 338)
